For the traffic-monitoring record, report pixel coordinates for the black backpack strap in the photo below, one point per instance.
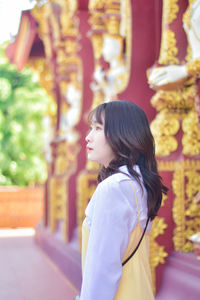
(131, 255)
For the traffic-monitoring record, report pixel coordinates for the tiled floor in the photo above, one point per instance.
(26, 273)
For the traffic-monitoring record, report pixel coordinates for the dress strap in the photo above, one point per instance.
(130, 256)
(141, 238)
(136, 200)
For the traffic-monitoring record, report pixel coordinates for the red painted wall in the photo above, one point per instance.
(146, 28)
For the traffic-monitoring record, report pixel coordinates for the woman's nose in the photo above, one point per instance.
(87, 138)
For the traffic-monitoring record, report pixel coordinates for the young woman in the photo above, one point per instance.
(122, 208)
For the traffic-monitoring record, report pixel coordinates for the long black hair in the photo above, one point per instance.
(127, 131)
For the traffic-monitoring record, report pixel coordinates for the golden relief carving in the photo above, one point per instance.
(191, 136)
(41, 14)
(189, 53)
(68, 26)
(40, 66)
(178, 209)
(92, 166)
(168, 50)
(187, 15)
(55, 28)
(186, 18)
(66, 162)
(86, 185)
(165, 145)
(97, 43)
(96, 4)
(112, 25)
(179, 100)
(193, 185)
(157, 252)
(58, 202)
(174, 165)
(59, 30)
(164, 198)
(166, 165)
(186, 213)
(171, 10)
(110, 30)
(163, 127)
(175, 105)
(193, 67)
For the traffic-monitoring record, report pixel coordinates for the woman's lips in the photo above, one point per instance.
(89, 149)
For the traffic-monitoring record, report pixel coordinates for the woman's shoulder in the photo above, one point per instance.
(117, 179)
(113, 181)
(116, 183)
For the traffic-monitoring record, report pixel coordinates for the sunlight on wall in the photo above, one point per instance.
(18, 232)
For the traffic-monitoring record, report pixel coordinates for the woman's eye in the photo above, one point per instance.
(95, 127)
(98, 128)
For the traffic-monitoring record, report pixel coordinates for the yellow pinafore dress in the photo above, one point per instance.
(136, 282)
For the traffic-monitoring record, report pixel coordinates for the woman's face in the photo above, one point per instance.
(97, 146)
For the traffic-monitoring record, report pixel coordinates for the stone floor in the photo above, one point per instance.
(26, 273)
(181, 278)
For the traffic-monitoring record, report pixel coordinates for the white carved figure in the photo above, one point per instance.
(164, 75)
(47, 136)
(110, 81)
(72, 116)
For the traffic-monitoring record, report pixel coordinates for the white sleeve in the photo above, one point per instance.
(108, 240)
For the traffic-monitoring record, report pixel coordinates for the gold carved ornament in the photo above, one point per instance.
(58, 202)
(40, 66)
(42, 13)
(110, 19)
(65, 166)
(58, 29)
(178, 101)
(120, 28)
(106, 18)
(95, 34)
(191, 136)
(170, 11)
(193, 68)
(69, 68)
(86, 185)
(163, 128)
(157, 252)
(186, 185)
(66, 162)
(169, 50)
(187, 15)
(192, 208)
(179, 209)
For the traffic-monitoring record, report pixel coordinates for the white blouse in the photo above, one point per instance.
(111, 216)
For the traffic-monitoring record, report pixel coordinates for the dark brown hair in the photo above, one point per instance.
(127, 131)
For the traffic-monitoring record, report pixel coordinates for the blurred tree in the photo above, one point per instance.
(23, 104)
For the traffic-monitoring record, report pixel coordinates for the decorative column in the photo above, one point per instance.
(110, 35)
(58, 28)
(177, 136)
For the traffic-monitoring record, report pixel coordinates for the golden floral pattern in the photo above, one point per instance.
(169, 50)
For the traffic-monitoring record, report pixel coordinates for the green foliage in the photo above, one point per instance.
(23, 104)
